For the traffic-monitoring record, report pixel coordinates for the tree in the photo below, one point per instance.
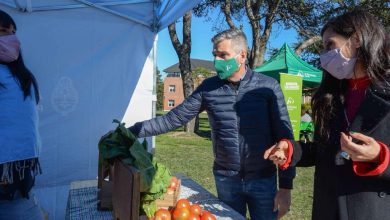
(260, 14)
(305, 16)
(199, 74)
(183, 51)
(317, 13)
(160, 91)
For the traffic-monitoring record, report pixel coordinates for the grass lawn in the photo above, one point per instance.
(192, 155)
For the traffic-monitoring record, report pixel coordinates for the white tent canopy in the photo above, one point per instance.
(155, 14)
(94, 61)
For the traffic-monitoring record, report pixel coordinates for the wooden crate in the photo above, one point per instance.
(169, 201)
(126, 192)
(120, 192)
(105, 185)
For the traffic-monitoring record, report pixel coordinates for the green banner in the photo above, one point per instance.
(292, 90)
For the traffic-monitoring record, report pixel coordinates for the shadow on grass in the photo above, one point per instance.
(204, 130)
(204, 134)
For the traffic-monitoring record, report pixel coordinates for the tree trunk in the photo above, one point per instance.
(261, 48)
(228, 14)
(196, 127)
(259, 41)
(188, 85)
(183, 51)
(257, 52)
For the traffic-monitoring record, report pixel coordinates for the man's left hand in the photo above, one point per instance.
(282, 202)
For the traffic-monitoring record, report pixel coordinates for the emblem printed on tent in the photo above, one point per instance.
(64, 97)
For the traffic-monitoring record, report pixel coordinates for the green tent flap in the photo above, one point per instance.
(286, 61)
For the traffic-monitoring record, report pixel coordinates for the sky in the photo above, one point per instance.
(201, 34)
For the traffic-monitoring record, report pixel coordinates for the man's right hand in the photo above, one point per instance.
(278, 153)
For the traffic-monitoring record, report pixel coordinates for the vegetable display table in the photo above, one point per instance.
(82, 201)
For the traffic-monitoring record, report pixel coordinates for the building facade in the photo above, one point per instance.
(173, 91)
(173, 84)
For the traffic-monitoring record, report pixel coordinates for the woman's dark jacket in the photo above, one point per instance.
(245, 119)
(338, 192)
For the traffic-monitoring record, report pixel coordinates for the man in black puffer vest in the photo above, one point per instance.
(247, 115)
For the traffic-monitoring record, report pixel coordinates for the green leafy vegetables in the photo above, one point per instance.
(154, 177)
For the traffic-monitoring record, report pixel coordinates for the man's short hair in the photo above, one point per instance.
(238, 38)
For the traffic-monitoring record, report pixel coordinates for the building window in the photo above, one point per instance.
(172, 88)
(171, 103)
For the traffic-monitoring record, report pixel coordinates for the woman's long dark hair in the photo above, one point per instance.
(17, 67)
(373, 53)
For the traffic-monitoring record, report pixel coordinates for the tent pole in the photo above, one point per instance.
(155, 16)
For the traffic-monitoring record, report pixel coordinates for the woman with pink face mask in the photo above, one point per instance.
(351, 111)
(19, 136)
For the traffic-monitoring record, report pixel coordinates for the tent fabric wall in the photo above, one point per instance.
(92, 66)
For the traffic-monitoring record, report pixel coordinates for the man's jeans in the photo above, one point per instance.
(20, 208)
(258, 194)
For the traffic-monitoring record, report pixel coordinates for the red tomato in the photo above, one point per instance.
(196, 209)
(162, 214)
(173, 183)
(206, 215)
(193, 217)
(170, 191)
(183, 203)
(181, 214)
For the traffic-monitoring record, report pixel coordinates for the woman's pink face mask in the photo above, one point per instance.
(9, 48)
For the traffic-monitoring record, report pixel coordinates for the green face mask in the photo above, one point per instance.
(226, 68)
